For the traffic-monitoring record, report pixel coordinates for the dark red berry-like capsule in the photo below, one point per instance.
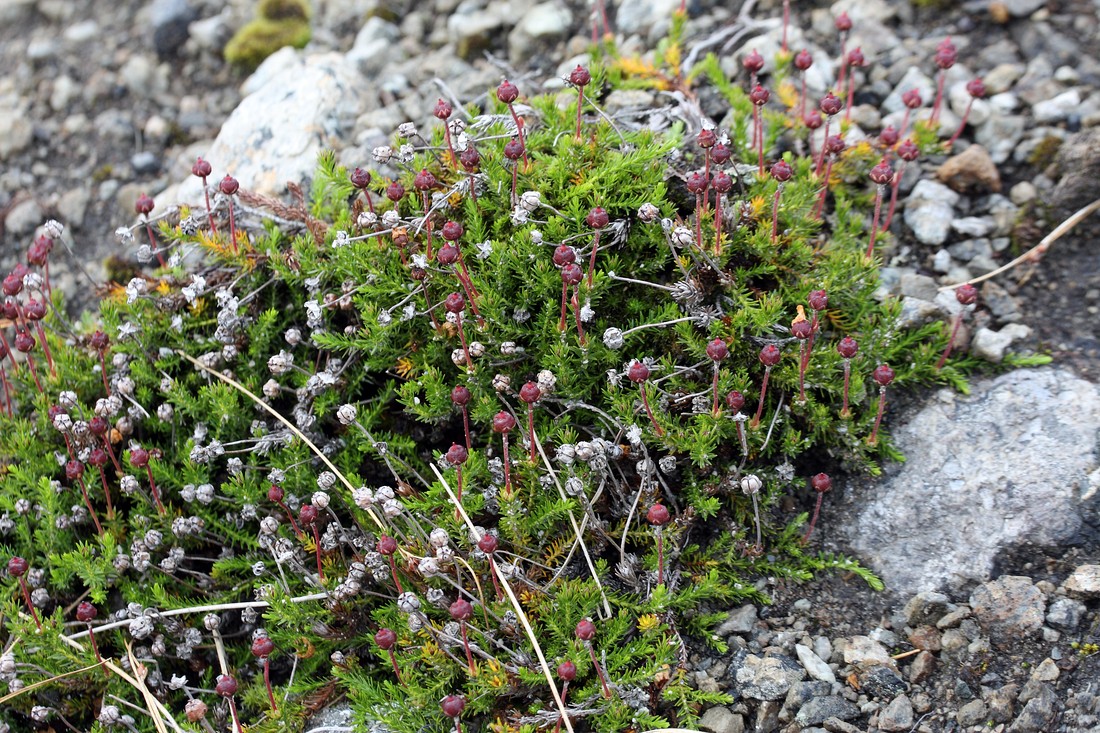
(144, 204)
(447, 254)
(888, 137)
(912, 99)
(801, 329)
(139, 457)
(453, 705)
(818, 300)
(507, 92)
(706, 138)
(571, 274)
(637, 372)
(461, 610)
(770, 355)
(262, 647)
(513, 149)
(597, 218)
(226, 685)
(812, 119)
(579, 76)
(567, 671)
(386, 545)
(530, 393)
(424, 180)
(658, 515)
(460, 395)
(830, 104)
(722, 182)
(99, 340)
(976, 88)
(360, 178)
(821, 483)
(759, 96)
(848, 347)
(470, 159)
(882, 173)
(966, 294)
(803, 60)
(229, 186)
(307, 515)
(735, 400)
(843, 23)
(586, 630)
(457, 454)
(487, 544)
(451, 231)
(395, 191)
(201, 168)
(883, 375)
(717, 350)
(721, 153)
(275, 493)
(564, 255)
(74, 469)
(908, 151)
(503, 422)
(856, 58)
(696, 183)
(454, 303)
(753, 62)
(17, 566)
(782, 171)
(443, 109)
(24, 342)
(946, 54)
(86, 612)
(385, 639)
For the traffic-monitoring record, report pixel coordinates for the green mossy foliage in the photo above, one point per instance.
(324, 320)
(278, 23)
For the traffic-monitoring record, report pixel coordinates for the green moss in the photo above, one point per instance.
(279, 23)
(1044, 153)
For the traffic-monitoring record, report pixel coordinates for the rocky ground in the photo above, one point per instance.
(988, 537)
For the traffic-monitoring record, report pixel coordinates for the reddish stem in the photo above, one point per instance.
(153, 486)
(465, 348)
(580, 103)
(7, 389)
(507, 467)
(577, 317)
(894, 186)
(27, 599)
(804, 362)
(95, 648)
(714, 389)
(396, 671)
(962, 124)
(763, 393)
(233, 712)
(466, 427)
(267, 681)
(775, 212)
(660, 557)
(564, 299)
(88, 503)
(290, 516)
(7, 350)
(939, 98)
(153, 242)
(458, 492)
(103, 373)
(466, 644)
(232, 235)
(950, 341)
(317, 547)
(564, 692)
(645, 401)
(106, 493)
(34, 372)
(531, 429)
(599, 671)
(393, 570)
(786, 22)
(874, 222)
(45, 348)
(592, 259)
(821, 153)
(111, 451)
(209, 213)
(878, 418)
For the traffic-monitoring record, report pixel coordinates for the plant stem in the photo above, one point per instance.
(950, 341)
(879, 189)
(878, 418)
(763, 392)
(844, 412)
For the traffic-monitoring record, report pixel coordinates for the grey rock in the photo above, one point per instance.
(1066, 614)
(114, 125)
(918, 286)
(210, 34)
(1084, 581)
(921, 526)
(544, 23)
(882, 681)
(42, 49)
(991, 345)
(898, 715)
(767, 678)
(73, 205)
(82, 32)
(802, 692)
(924, 664)
(170, 19)
(621, 99)
(973, 226)
(815, 665)
(276, 132)
(1056, 109)
(968, 249)
(1002, 703)
(1046, 671)
(719, 719)
(1002, 77)
(741, 620)
(1003, 306)
(1078, 160)
(960, 99)
(1004, 214)
(24, 217)
(1023, 192)
(823, 648)
(926, 607)
(16, 129)
(916, 312)
(1000, 134)
(972, 713)
(929, 211)
(1010, 605)
(819, 709)
(647, 18)
(767, 717)
(1022, 8)
(145, 163)
(863, 651)
(375, 46)
(1039, 713)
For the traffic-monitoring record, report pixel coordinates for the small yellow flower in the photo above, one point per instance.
(648, 623)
